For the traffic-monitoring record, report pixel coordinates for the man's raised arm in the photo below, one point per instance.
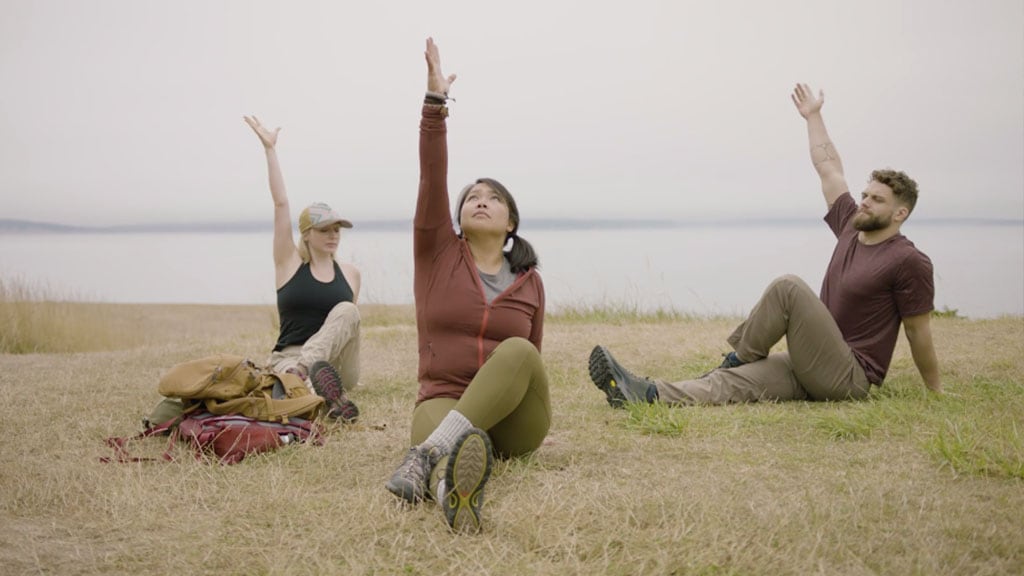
(824, 155)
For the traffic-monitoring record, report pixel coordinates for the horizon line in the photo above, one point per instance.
(397, 224)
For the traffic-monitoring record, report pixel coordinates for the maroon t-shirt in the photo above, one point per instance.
(870, 289)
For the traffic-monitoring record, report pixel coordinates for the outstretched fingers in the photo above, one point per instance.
(804, 100)
(799, 94)
(267, 137)
(436, 80)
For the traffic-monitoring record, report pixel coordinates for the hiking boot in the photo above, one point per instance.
(461, 490)
(729, 360)
(327, 385)
(617, 383)
(409, 480)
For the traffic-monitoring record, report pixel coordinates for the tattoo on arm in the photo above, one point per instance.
(825, 155)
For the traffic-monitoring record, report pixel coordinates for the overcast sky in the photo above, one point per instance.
(130, 111)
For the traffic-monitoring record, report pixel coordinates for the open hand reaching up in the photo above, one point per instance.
(268, 138)
(805, 102)
(436, 80)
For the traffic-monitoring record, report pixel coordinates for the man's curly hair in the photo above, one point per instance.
(903, 186)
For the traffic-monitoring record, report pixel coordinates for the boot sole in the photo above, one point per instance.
(469, 467)
(603, 376)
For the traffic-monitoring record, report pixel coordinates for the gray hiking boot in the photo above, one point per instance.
(617, 383)
(410, 480)
(461, 490)
(327, 384)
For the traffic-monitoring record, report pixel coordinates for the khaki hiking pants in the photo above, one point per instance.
(508, 398)
(336, 342)
(818, 366)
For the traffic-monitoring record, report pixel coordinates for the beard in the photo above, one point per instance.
(864, 222)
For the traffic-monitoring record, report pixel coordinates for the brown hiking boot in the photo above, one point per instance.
(327, 385)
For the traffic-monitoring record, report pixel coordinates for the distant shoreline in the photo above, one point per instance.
(12, 226)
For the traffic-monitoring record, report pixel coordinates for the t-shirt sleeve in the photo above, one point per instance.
(915, 285)
(841, 212)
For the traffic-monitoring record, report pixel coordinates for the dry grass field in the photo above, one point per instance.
(902, 483)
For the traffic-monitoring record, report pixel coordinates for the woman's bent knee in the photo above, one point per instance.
(347, 309)
(516, 347)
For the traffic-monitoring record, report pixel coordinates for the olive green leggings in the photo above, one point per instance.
(508, 398)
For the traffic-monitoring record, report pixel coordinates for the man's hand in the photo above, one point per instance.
(805, 102)
(436, 80)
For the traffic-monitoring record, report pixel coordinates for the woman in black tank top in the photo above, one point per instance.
(316, 294)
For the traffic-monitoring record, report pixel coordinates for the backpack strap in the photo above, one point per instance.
(120, 444)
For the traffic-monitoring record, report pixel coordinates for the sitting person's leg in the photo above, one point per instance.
(819, 364)
(427, 416)
(337, 342)
(287, 360)
(329, 360)
(508, 398)
(770, 378)
(821, 361)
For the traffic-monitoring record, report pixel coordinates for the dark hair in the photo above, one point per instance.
(903, 187)
(521, 257)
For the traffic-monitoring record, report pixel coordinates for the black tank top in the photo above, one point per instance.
(304, 302)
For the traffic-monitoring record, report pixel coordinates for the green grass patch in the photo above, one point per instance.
(851, 425)
(984, 448)
(657, 418)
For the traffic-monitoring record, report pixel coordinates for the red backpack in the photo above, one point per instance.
(228, 438)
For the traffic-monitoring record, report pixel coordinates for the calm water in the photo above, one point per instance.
(979, 269)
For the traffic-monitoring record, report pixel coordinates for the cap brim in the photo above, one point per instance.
(344, 223)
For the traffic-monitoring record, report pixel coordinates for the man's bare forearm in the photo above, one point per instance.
(825, 159)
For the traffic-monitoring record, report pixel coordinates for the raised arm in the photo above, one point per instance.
(824, 155)
(919, 335)
(286, 255)
(432, 224)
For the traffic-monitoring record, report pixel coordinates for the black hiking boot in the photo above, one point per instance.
(618, 384)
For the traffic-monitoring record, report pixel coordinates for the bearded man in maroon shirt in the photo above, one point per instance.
(839, 344)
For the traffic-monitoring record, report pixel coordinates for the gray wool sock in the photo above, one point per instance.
(444, 436)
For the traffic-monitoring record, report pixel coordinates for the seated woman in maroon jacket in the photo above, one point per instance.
(480, 322)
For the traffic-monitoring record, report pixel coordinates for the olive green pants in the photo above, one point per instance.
(508, 398)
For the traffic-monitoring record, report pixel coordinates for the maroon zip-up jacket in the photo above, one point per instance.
(457, 328)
